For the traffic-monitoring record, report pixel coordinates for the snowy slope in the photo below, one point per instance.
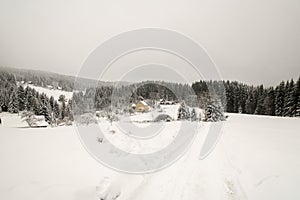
(51, 92)
(257, 158)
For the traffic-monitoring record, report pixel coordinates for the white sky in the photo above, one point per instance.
(254, 41)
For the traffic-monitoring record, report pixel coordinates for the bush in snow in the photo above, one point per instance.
(163, 117)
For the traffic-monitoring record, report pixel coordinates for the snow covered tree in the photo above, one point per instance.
(56, 111)
(269, 105)
(279, 99)
(63, 110)
(249, 106)
(21, 98)
(68, 112)
(29, 100)
(51, 101)
(297, 99)
(13, 105)
(183, 112)
(45, 111)
(289, 99)
(214, 112)
(194, 115)
(260, 101)
(35, 106)
(61, 98)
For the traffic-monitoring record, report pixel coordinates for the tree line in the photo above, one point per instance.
(282, 100)
(232, 96)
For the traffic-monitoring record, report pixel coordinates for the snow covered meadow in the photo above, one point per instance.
(256, 158)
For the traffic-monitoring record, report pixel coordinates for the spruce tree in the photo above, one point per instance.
(297, 99)
(56, 111)
(289, 99)
(21, 98)
(260, 101)
(249, 107)
(183, 112)
(194, 115)
(279, 99)
(269, 103)
(13, 106)
(29, 100)
(63, 110)
(51, 101)
(69, 110)
(214, 112)
(35, 106)
(45, 111)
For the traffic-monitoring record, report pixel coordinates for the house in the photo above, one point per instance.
(141, 105)
(39, 122)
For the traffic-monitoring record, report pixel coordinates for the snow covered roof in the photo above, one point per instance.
(41, 123)
(39, 117)
(144, 103)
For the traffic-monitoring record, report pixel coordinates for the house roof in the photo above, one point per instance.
(144, 103)
(41, 123)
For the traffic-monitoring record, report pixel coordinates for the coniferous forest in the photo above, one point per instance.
(281, 100)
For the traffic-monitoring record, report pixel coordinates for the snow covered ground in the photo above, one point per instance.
(256, 158)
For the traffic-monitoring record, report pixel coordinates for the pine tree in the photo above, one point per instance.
(183, 112)
(56, 111)
(194, 115)
(294, 98)
(51, 101)
(214, 112)
(63, 110)
(269, 103)
(289, 99)
(249, 107)
(44, 110)
(61, 98)
(13, 106)
(279, 99)
(260, 101)
(29, 100)
(21, 98)
(69, 110)
(297, 98)
(35, 106)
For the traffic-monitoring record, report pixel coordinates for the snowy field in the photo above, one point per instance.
(257, 158)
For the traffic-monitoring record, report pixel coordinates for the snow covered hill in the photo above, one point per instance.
(50, 92)
(257, 158)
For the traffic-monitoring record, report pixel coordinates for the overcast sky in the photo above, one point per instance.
(254, 41)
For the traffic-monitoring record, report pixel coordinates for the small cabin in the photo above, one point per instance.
(142, 106)
(40, 122)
